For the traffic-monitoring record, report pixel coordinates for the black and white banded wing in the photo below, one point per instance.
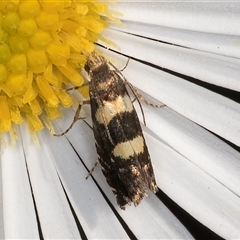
(120, 144)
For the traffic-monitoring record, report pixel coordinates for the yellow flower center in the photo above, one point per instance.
(43, 46)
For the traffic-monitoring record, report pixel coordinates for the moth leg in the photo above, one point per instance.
(91, 171)
(136, 98)
(77, 87)
(133, 89)
(144, 121)
(125, 65)
(135, 92)
(75, 119)
(139, 96)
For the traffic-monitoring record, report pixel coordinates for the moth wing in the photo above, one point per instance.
(104, 146)
(112, 177)
(129, 151)
(120, 144)
(130, 131)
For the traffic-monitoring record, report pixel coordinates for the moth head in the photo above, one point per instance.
(95, 64)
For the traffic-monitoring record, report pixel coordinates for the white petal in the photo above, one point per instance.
(211, 68)
(210, 16)
(209, 42)
(18, 207)
(53, 209)
(44, 189)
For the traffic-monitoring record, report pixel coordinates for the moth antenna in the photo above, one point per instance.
(135, 90)
(139, 96)
(136, 97)
(75, 119)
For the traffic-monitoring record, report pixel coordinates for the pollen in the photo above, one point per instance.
(43, 48)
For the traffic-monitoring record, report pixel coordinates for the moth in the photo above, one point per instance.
(121, 147)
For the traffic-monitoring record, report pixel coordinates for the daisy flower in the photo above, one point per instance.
(182, 54)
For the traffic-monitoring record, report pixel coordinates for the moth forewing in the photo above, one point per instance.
(121, 147)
